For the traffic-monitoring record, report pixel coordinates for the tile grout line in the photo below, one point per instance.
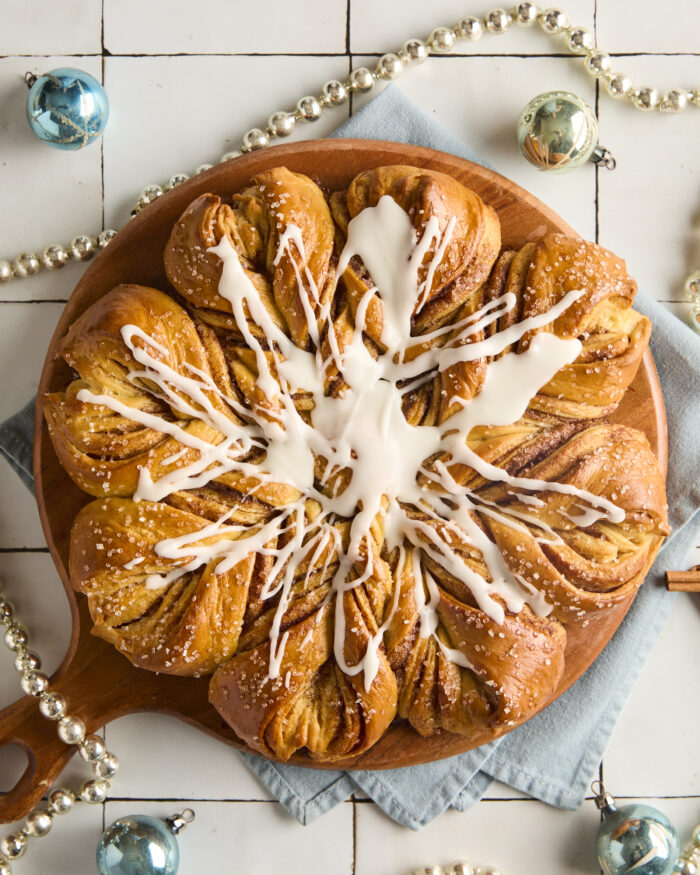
(353, 870)
(35, 301)
(348, 50)
(7, 550)
(487, 800)
(374, 54)
(102, 140)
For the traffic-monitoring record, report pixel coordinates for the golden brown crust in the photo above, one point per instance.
(475, 677)
(424, 195)
(253, 224)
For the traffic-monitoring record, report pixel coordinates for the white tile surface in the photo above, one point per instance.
(191, 104)
(631, 26)
(21, 528)
(32, 584)
(206, 769)
(649, 207)
(266, 26)
(27, 330)
(253, 837)
(174, 129)
(68, 27)
(48, 196)
(634, 762)
(517, 837)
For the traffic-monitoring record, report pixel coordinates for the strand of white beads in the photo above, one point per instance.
(71, 730)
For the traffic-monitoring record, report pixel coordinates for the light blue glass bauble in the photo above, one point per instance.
(67, 108)
(138, 845)
(557, 131)
(636, 839)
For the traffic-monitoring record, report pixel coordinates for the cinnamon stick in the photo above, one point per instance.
(684, 581)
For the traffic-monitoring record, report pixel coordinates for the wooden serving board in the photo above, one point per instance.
(99, 683)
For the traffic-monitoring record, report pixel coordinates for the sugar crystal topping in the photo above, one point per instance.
(376, 467)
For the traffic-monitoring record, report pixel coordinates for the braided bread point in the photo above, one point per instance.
(313, 702)
(613, 335)
(101, 449)
(514, 666)
(431, 200)
(186, 626)
(254, 224)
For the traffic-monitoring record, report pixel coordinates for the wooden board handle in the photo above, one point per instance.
(47, 755)
(94, 680)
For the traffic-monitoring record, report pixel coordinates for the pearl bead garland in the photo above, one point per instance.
(691, 289)
(52, 706)
(461, 867)
(442, 40)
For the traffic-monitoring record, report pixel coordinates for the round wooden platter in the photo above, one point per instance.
(99, 683)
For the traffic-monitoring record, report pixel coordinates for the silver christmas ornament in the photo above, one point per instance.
(526, 14)
(142, 844)
(61, 801)
(66, 108)
(38, 823)
(390, 66)
(71, 730)
(558, 131)
(470, 28)
(635, 839)
(442, 40)
(254, 139)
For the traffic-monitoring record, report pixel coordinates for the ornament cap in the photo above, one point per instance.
(604, 801)
(177, 822)
(603, 157)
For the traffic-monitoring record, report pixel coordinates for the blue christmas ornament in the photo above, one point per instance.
(142, 845)
(636, 839)
(66, 108)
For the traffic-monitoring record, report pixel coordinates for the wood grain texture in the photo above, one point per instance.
(100, 684)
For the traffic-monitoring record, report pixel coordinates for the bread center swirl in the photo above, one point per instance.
(354, 454)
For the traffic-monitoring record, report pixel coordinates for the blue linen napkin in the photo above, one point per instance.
(553, 756)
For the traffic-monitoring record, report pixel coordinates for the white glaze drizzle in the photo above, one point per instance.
(363, 433)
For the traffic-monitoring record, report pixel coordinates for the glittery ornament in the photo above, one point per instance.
(66, 108)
